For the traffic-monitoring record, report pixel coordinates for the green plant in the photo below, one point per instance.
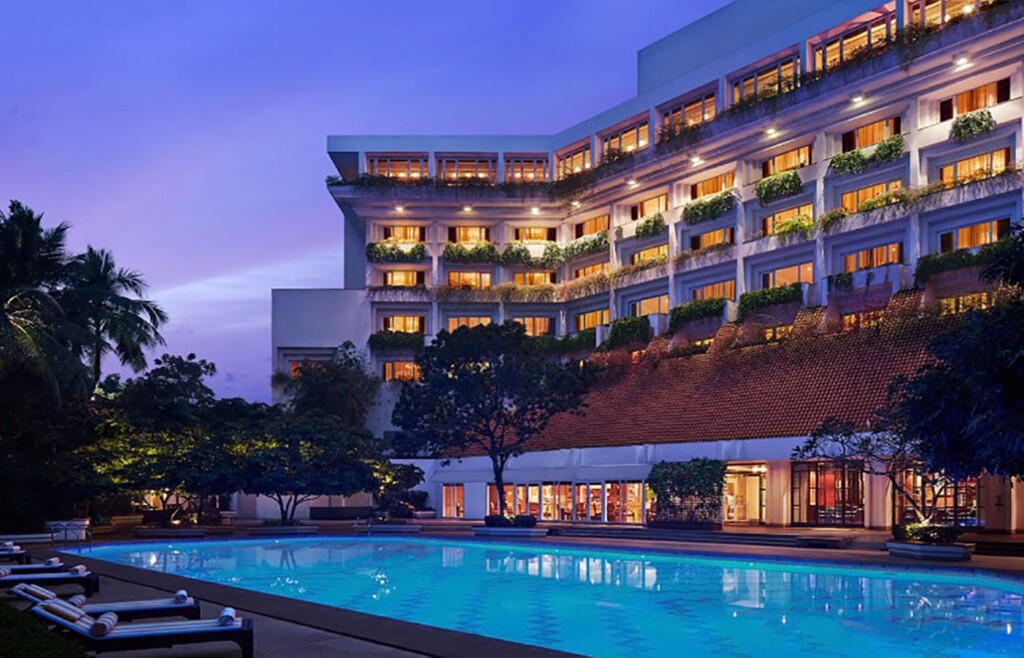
(832, 219)
(649, 227)
(855, 162)
(684, 256)
(969, 125)
(578, 342)
(510, 292)
(800, 226)
(889, 149)
(480, 252)
(932, 264)
(707, 209)
(392, 252)
(688, 492)
(626, 331)
(552, 257)
(22, 634)
(396, 340)
(755, 299)
(778, 186)
(588, 244)
(900, 196)
(926, 533)
(585, 286)
(333, 179)
(466, 294)
(695, 310)
(628, 270)
(840, 281)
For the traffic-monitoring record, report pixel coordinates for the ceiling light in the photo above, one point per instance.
(574, 203)
(968, 9)
(632, 182)
(962, 61)
(399, 208)
(772, 131)
(467, 208)
(535, 210)
(696, 161)
(857, 98)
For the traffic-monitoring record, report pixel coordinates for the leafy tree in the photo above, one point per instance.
(488, 389)
(342, 387)
(394, 482)
(1006, 260)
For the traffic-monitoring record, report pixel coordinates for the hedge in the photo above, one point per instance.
(777, 187)
(392, 252)
(755, 299)
(628, 330)
(705, 210)
(650, 226)
(696, 310)
(383, 340)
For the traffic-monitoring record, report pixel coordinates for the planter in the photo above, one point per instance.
(389, 528)
(70, 530)
(957, 552)
(168, 533)
(227, 518)
(531, 533)
(283, 530)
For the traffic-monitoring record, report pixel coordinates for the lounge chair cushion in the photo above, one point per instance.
(227, 617)
(4, 573)
(77, 570)
(78, 600)
(103, 624)
(64, 610)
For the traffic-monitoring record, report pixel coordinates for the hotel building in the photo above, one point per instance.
(795, 159)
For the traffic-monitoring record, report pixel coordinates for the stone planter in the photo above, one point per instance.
(389, 528)
(957, 552)
(143, 532)
(283, 530)
(518, 533)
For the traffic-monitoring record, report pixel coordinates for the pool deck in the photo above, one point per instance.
(308, 629)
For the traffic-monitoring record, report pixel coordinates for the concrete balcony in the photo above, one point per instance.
(455, 295)
(435, 190)
(398, 294)
(633, 275)
(695, 260)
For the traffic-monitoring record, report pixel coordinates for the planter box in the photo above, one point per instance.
(389, 529)
(283, 530)
(168, 533)
(945, 552)
(531, 533)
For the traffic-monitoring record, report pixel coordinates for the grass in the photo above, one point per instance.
(22, 634)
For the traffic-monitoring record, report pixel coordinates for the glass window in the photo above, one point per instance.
(977, 167)
(535, 234)
(862, 320)
(711, 239)
(468, 234)
(409, 167)
(974, 235)
(778, 332)
(626, 140)
(401, 371)
(712, 185)
(404, 234)
(851, 201)
(692, 113)
(467, 321)
(827, 494)
(470, 280)
(589, 270)
(972, 100)
(591, 319)
(784, 276)
(453, 502)
(649, 207)
(592, 226)
(865, 259)
(978, 301)
(534, 278)
(526, 169)
(403, 278)
(649, 254)
(780, 77)
(452, 168)
(649, 306)
(770, 224)
(717, 290)
(959, 503)
(410, 324)
(574, 161)
(871, 134)
(787, 161)
(537, 326)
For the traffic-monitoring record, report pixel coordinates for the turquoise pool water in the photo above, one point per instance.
(605, 603)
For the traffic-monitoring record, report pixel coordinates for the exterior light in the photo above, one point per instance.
(535, 210)
(632, 182)
(574, 203)
(696, 161)
(968, 9)
(467, 208)
(857, 98)
(961, 61)
(772, 131)
(399, 208)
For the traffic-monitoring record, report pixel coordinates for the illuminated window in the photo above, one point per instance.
(410, 167)
(850, 201)
(939, 12)
(972, 100)
(862, 320)
(401, 371)
(974, 235)
(711, 239)
(784, 276)
(780, 77)
(526, 169)
(535, 234)
(626, 140)
(470, 280)
(537, 326)
(778, 332)
(649, 306)
(717, 290)
(770, 224)
(596, 268)
(591, 319)
(453, 501)
(293, 368)
(467, 321)
(978, 301)
(405, 234)
(704, 342)
(712, 185)
(649, 254)
(534, 278)
(692, 113)
(975, 168)
(574, 161)
(468, 234)
(865, 259)
(409, 324)
(592, 226)
(787, 161)
(871, 134)
(404, 278)
(842, 48)
(649, 207)
(453, 168)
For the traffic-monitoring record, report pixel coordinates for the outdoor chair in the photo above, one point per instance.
(52, 565)
(90, 582)
(180, 605)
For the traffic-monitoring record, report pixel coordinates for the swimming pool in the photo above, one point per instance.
(613, 603)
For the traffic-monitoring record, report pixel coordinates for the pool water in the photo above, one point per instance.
(608, 603)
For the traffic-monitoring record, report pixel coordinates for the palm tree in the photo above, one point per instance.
(108, 301)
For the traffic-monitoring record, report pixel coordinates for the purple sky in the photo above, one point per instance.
(189, 137)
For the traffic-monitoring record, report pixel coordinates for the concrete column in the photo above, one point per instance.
(653, 125)
(475, 500)
(777, 490)
(997, 501)
(431, 165)
(595, 151)
(501, 168)
(915, 241)
(901, 15)
(877, 502)
(1015, 500)
(722, 97)
(673, 250)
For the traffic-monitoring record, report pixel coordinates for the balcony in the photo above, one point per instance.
(396, 341)
(688, 261)
(772, 306)
(430, 189)
(643, 272)
(465, 295)
(400, 294)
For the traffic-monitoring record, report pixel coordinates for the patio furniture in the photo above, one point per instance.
(37, 538)
(90, 582)
(180, 605)
(15, 554)
(52, 565)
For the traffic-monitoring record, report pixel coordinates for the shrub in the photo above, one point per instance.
(650, 226)
(482, 252)
(625, 331)
(525, 521)
(832, 219)
(629, 270)
(516, 254)
(853, 162)
(510, 292)
(578, 342)
(841, 281)
(392, 252)
(779, 186)
(22, 634)
(497, 520)
(800, 226)
(755, 299)
(926, 533)
(882, 200)
(583, 287)
(705, 210)
(688, 492)
(889, 149)
(696, 310)
(969, 125)
(932, 264)
(588, 244)
(400, 509)
(383, 340)
(552, 257)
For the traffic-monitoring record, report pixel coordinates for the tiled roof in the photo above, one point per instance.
(780, 389)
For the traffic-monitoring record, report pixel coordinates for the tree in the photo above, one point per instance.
(1006, 260)
(489, 389)
(342, 387)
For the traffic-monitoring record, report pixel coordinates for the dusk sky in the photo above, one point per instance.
(190, 137)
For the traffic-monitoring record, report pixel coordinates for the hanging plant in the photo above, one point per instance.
(777, 187)
(970, 125)
(392, 252)
(832, 219)
(481, 252)
(755, 299)
(626, 331)
(650, 226)
(707, 209)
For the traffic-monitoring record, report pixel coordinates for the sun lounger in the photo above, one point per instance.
(107, 634)
(89, 581)
(38, 538)
(53, 565)
(180, 605)
(20, 556)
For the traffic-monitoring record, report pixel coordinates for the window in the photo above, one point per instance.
(978, 301)
(452, 501)
(409, 324)
(649, 207)
(536, 234)
(704, 342)
(770, 224)
(467, 321)
(592, 226)
(851, 201)
(538, 326)
(974, 168)
(938, 12)
(526, 169)
(453, 168)
(649, 306)
(778, 332)
(862, 320)
(401, 371)
(979, 98)
(841, 49)
(712, 185)
(717, 290)
(468, 234)
(294, 367)
(627, 140)
(470, 280)
(596, 268)
(711, 239)
(405, 234)
(784, 276)
(974, 235)
(574, 161)
(404, 278)
(692, 113)
(787, 161)
(871, 134)
(534, 278)
(410, 167)
(649, 254)
(780, 77)
(865, 259)
(591, 319)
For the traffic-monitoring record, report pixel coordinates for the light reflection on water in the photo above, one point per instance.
(613, 604)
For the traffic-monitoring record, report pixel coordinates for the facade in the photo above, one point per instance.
(801, 152)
